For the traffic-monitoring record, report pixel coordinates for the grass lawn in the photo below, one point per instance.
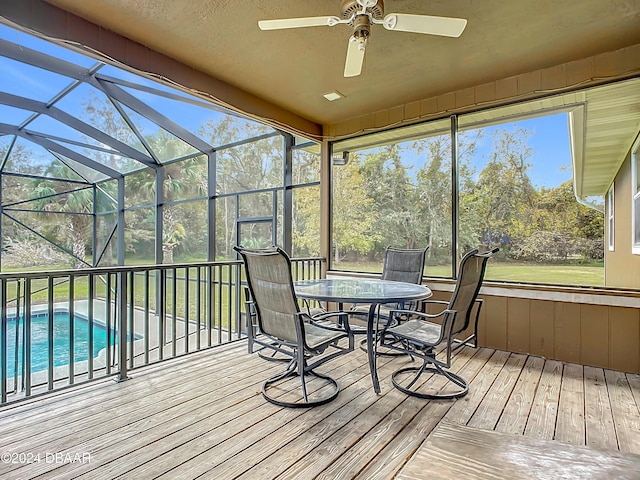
(588, 275)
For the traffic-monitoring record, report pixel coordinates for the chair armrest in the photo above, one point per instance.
(319, 320)
(325, 315)
(307, 306)
(418, 313)
(434, 302)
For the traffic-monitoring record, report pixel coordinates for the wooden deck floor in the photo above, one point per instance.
(203, 415)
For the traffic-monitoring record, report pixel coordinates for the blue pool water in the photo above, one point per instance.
(61, 331)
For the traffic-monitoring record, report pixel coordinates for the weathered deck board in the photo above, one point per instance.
(454, 451)
(516, 412)
(391, 404)
(489, 411)
(601, 432)
(384, 443)
(203, 414)
(542, 418)
(187, 435)
(130, 406)
(271, 433)
(465, 407)
(570, 427)
(392, 457)
(626, 416)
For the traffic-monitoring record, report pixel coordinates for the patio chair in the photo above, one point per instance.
(400, 265)
(289, 331)
(253, 329)
(421, 336)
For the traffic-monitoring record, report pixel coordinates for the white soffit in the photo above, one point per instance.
(611, 126)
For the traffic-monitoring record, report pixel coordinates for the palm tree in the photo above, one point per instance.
(180, 180)
(70, 198)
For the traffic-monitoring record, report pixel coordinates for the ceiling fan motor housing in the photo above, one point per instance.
(353, 7)
(361, 22)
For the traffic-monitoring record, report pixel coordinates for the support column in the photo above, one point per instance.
(120, 234)
(159, 209)
(212, 193)
(455, 194)
(287, 208)
(325, 206)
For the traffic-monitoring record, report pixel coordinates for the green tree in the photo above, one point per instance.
(504, 197)
(76, 202)
(394, 196)
(354, 219)
(181, 180)
(184, 179)
(99, 112)
(20, 160)
(470, 224)
(563, 227)
(306, 221)
(306, 204)
(434, 185)
(255, 165)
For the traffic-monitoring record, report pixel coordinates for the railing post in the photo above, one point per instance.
(26, 339)
(3, 341)
(121, 309)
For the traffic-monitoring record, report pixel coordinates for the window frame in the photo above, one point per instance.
(458, 124)
(611, 218)
(635, 195)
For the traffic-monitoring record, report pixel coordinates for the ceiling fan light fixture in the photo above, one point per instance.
(332, 96)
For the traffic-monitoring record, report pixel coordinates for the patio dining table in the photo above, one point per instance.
(363, 291)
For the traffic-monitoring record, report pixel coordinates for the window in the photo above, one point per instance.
(518, 194)
(394, 193)
(635, 206)
(610, 224)
(510, 185)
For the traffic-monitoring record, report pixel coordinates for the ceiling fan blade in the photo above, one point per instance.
(355, 57)
(405, 22)
(298, 22)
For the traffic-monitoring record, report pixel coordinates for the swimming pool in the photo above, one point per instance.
(61, 331)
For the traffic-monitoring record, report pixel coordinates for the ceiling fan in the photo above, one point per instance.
(360, 14)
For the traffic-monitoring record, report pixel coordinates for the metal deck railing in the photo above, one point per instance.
(64, 327)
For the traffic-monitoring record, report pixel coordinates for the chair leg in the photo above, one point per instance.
(292, 371)
(427, 366)
(272, 357)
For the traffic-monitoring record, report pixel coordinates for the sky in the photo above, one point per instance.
(33, 83)
(550, 163)
(551, 160)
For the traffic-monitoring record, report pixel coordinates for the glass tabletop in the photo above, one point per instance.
(349, 290)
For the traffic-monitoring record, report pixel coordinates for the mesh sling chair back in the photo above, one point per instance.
(421, 336)
(288, 330)
(404, 265)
